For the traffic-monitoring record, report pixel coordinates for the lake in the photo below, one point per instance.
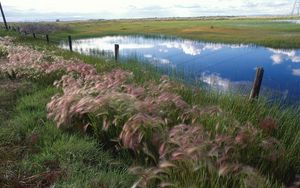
(222, 67)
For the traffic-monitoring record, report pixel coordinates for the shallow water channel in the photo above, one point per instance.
(224, 67)
(289, 21)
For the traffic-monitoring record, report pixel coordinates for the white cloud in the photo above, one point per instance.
(30, 9)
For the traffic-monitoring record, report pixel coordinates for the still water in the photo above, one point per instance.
(289, 21)
(223, 67)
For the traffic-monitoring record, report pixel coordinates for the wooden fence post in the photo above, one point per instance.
(257, 83)
(3, 16)
(33, 34)
(117, 47)
(47, 39)
(70, 43)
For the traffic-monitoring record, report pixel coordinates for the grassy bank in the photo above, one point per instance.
(218, 141)
(259, 31)
(34, 153)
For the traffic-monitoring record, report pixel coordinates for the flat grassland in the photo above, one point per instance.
(122, 124)
(260, 31)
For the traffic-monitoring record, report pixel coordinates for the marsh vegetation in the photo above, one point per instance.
(69, 119)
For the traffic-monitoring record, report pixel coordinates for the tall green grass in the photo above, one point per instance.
(35, 146)
(72, 150)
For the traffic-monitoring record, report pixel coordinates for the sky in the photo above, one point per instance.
(38, 10)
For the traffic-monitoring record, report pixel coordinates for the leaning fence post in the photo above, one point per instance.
(3, 16)
(117, 47)
(47, 38)
(257, 83)
(70, 43)
(33, 34)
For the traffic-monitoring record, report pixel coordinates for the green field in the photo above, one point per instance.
(260, 31)
(34, 152)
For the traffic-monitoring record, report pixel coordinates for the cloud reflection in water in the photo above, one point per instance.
(215, 81)
(281, 56)
(225, 67)
(296, 72)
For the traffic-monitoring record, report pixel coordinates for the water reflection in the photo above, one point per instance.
(215, 81)
(221, 66)
(156, 60)
(281, 56)
(290, 21)
(296, 72)
(190, 47)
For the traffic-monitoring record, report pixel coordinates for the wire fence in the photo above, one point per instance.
(47, 37)
(53, 39)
